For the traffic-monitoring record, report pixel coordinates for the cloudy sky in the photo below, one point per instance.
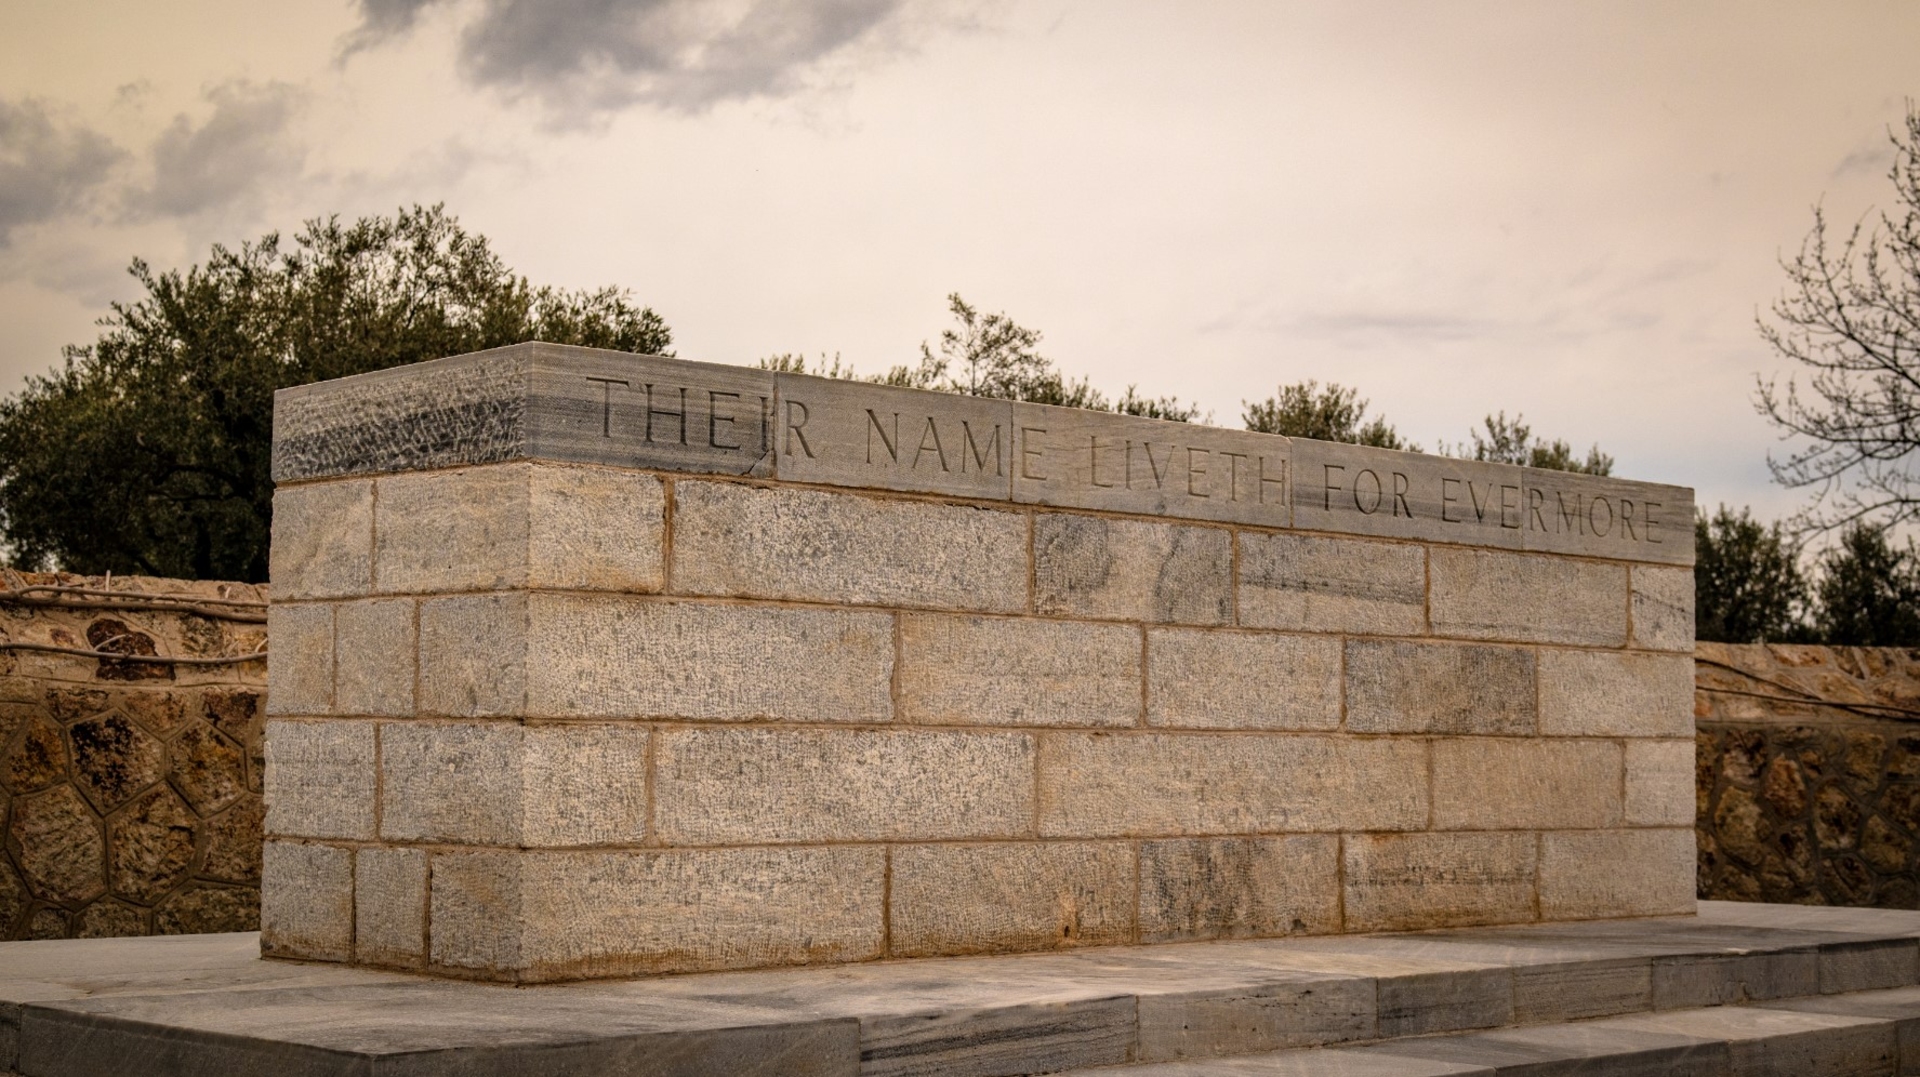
(1572, 211)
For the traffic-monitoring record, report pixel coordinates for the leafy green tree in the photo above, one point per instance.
(1869, 591)
(1335, 413)
(1747, 583)
(1511, 441)
(148, 450)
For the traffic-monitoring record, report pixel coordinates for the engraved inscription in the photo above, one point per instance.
(857, 434)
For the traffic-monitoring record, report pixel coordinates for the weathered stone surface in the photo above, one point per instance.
(233, 841)
(1243, 1015)
(1134, 570)
(390, 906)
(1660, 790)
(495, 783)
(747, 786)
(233, 711)
(1395, 686)
(200, 910)
(817, 546)
(1017, 671)
(322, 541)
(374, 649)
(1192, 784)
(1480, 594)
(1663, 608)
(56, 840)
(1497, 783)
(1037, 1037)
(553, 915)
(1575, 991)
(606, 657)
(306, 901)
(1360, 490)
(1209, 888)
(320, 779)
(1007, 896)
(207, 768)
(117, 637)
(1601, 693)
(1449, 1001)
(300, 671)
(473, 656)
(110, 919)
(1307, 583)
(1616, 873)
(1073, 458)
(38, 758)
(48, 923)
(1604, 517)
(113, 759)
(14, 898)
(150, 846)
(844, 433)
(1214, 679)
(1399, 882)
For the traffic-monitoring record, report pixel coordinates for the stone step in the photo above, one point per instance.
(1857, 1034)
(209, 1004)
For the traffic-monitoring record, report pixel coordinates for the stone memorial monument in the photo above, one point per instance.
(591, 664)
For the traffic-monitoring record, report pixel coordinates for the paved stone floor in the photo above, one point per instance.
(1740, 989)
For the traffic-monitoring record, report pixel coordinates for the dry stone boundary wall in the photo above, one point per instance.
(130, 791)
(591, 664)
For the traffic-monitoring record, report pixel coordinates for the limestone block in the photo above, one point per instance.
(1482, 594)
(473, 655)
(1432, 1002)
(1399, 882)
(1134, 570)
(498, 783)
(1214, 679)
(1660, 783)
(1597, 516)
(320, 779)
(519, 525)
(812, 545)
(1177, 784)
(1663, 608)
(389, 906)
(1594, 873)
(374, 658)
(1313, 584)
(563, 915)
(842, 433)
(595, 656)
(1396, 686)
(322, 540)
(306, 901)
(1497, 783)
(1253, 1014)
(1212, 888)
(1614, 694)
(1007, 896)
(738, 786)
(1361, 490)
(957, 670)
(300, 667)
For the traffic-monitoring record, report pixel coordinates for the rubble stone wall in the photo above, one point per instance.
(1801, 801)
(130, 791)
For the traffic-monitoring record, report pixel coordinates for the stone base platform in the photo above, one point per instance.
(1740, 989)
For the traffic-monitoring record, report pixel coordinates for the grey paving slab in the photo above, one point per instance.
(1571, 1049)
(1900, 1006)
(1778, 1043)
(1324, 1062)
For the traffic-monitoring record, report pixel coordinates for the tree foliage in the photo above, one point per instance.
(1850, 315)
(1747, 583)
(1335, 413)
(1511, 441)
(148, 450)
(1868, 593)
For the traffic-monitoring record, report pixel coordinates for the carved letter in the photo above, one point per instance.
(892, 445)
(606, 401)
(1570, 521)
(1326, 481)
(939, 453)
(1027, 455)
(1378, 492)
(1534, 498)
(1510, 506)
(1233, 473)
(1597, 502)
(1479, 510)
(1093, 462)
(1159, 476)
(793, 429)
(680, 415)
(979, 459)
(1400, 505)
(1626, 520)
(1646, 517)
(714, 420)
(1448, 499)
(1281, 482)
(1192, 471)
